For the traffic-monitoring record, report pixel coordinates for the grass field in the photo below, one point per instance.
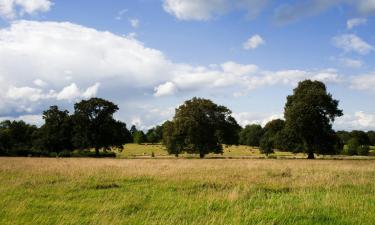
(186, 191)
(146, 150)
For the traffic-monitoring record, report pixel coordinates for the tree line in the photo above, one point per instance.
(199, 126)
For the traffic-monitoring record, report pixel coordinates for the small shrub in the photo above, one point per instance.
(65, 153)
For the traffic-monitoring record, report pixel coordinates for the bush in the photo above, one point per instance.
(363, 150)
(65, 154)
(352, 148)
(266, 145)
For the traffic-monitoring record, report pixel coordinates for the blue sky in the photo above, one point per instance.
(148, 56)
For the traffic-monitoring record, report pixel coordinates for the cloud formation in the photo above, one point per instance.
(253, 42)
(352, 43)
(11, 9)
(208, 9)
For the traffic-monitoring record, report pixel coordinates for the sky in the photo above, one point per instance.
(149, 56)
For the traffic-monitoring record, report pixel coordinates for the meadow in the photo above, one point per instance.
(186, 191)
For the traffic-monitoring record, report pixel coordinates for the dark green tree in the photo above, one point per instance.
(199, 126)
(56, 133)
(16, 138)
(155, 135)
(266, 145)
(344, 136)
(95, 127)
(309, 113)
(371, 136)
(251, 135)
(361, 137)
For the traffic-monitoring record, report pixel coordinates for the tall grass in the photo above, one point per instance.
(182, 191)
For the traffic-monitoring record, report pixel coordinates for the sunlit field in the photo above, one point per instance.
(186, 191)
(237, 152)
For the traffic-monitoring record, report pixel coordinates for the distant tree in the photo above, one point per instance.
(251, 135)
(95, 127)
(273, 131)
(155, 135)
(139, 137)
(16, 138)
(133, 129)
(361, 137)
(371, 136)
(344, 136)
(309, 114)
(266, 145)
(56, 133)
(353, 146)
(199, 126)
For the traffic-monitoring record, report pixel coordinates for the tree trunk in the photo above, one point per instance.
(311, 155)
(97, 152)
(201, 155)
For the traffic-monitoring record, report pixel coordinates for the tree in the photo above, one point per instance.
(266, 145)
(95, 127)
(371, 136)
(56, 133)
(309, 113)
(199, 126)
(155, 135)
(344, 136)
(251, 135)
(16, 137)
(139, 137)
(361, 137)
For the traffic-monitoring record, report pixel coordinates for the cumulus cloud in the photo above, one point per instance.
(358, 121)
(355, 22)
(31, 119)
(11, 9)
(247, 118)
(208, 9)
(167, 88)
(352, 43)
(253, 42)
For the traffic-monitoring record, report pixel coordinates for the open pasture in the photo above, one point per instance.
(186, 191)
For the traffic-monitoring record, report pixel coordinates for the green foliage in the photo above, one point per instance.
(16, 138)
(56, 133)
(344, 136)
(361, 137)
(139, 137)
(266, 145)
(354, 147)
(309, 114)
(95, 127)
(200, 126)
(251, 135)
(155, 135)
(371, 136)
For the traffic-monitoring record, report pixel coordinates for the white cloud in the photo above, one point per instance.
(253, 42)
(247, 118)
(208, 9)
(31, 119)
(355, 22)
(134, 23)
(352, 43)
(364, 82)
(358, 121)
(40, 83)
(11, 9)
(167, 88)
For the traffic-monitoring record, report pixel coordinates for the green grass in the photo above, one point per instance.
(186, 191)
(241, 151)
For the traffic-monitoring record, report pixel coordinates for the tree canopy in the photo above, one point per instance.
(309, 114)
(200, 126)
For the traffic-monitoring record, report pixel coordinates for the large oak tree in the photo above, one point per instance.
(309, 114)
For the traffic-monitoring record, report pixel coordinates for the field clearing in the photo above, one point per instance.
(186, 191)
(241, 151)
